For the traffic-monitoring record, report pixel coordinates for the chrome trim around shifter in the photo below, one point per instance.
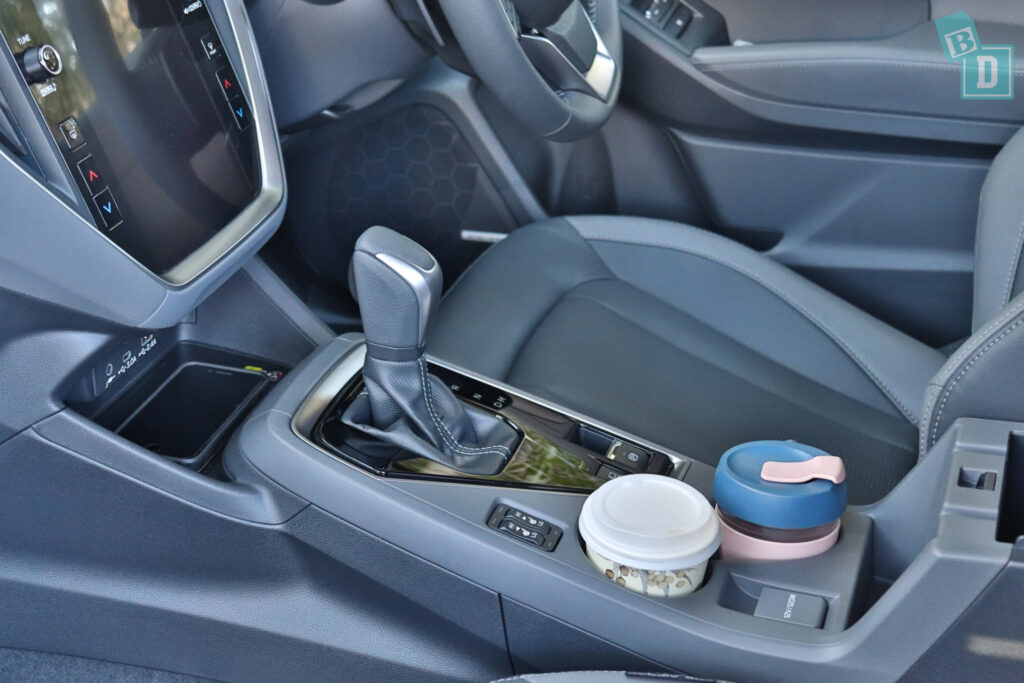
(320, 399)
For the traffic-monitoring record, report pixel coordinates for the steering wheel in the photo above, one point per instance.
(554, 64)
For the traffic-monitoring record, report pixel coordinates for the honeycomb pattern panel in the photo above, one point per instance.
(413, 171)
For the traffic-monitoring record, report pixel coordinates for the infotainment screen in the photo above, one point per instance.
(147, 111)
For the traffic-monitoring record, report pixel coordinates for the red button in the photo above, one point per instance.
(90, 171)
(228, 82)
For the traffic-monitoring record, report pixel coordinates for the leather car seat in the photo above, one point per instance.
(698, 343)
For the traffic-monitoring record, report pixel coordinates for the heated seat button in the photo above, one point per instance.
(72, 133)
(679, 21)
(240, 111)
(108, 210)
(528, 520)
(658, 11)
(513, 528)
(524, 526)
(90, 171)
(211, 46)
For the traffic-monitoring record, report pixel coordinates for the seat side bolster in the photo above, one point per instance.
(979, 379)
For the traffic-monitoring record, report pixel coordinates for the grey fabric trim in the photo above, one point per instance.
(29, 666)
(824, 61)
(589, 229)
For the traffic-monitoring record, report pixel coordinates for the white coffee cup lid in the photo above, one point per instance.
(649, 521)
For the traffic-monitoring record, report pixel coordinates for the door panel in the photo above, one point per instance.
(766, 21)
(907, 74)
(891, 233)
(865, 182)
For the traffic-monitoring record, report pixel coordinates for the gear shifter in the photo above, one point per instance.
(398, 285)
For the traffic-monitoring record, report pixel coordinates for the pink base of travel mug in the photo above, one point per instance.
(742, 547)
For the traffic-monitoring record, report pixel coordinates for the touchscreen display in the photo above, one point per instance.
(146, 109)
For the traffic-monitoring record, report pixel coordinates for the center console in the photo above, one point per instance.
(402, 445)
(516, 534)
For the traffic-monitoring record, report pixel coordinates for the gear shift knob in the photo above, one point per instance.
(398, 286)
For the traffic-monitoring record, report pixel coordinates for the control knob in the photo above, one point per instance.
(40, 63)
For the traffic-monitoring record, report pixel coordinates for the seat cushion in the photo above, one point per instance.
(689, 340)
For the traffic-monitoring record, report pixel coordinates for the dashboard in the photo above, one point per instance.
(145, 166)
(147, 112)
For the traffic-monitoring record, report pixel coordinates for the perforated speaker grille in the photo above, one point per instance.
(410, 170)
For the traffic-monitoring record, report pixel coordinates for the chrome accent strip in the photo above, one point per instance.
(417, 279)
(271, 192)
(598, 79)
(314, 406)
(482, 236)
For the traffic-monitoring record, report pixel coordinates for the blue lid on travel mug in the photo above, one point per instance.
(781, 485)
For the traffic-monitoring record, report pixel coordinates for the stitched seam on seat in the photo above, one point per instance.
(554, 304)
(446, 435)
(956, 359)
(907, 413)
(988, 329)
(1012, 276)
(949, 390)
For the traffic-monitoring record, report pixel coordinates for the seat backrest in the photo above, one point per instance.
(998, 266)
(985, 377)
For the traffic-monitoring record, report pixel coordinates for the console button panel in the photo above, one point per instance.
(524, 527)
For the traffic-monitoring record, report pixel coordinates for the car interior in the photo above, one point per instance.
(331, 329)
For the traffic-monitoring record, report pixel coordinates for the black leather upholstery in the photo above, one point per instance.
(690, 340)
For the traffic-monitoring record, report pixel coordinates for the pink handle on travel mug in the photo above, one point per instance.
(819, 467)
